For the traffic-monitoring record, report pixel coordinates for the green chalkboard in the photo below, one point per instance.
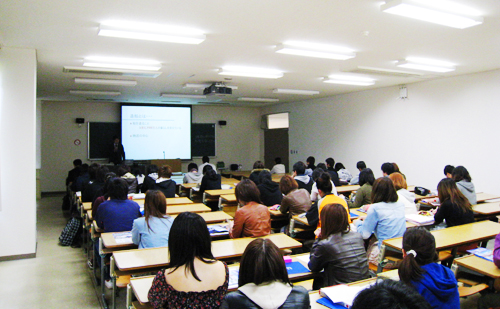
(203, 139)
(100, 138)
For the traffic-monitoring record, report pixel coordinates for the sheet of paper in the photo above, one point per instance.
(123, 238)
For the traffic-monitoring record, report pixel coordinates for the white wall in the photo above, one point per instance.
(17, 151)
(447, 121)
(237, 142)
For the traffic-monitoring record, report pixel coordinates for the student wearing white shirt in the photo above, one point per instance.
(206, 161)
(278, 168)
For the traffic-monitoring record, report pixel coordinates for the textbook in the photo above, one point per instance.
(342, 294)
(420, 219)
(484, 253)
(217, 230)
(431, 201)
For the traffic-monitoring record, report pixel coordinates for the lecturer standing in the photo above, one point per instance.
(117, 153)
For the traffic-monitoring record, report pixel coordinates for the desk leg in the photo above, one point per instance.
(103, 266)
(381, 257)
(129, 296)
(204, 198)
(191, 194)
(220, 203)
(291, 228)
(113, 282)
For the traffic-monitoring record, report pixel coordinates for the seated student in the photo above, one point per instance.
(310, 167)
(82, 179)
(455, 207)
(295, 201)
(263, 281)
(118, 213)
(491, 300)
(211, 180)
(304, 181)
(206, 161)
(90, 189)
(344, 174)
(327, 197)
(448, 171)
(194, 279)
(258, 167)
(150, 179)
(124, 172)
(390, 294)
(270, 193)
(252, 219)
(278, 168)
(360, 166)
(152, 230)
(74, 173)
(385, 217)
(314, 191)
(435, 282)
(387, 169)
(192, 176)
(103, 193)
(464, 184)
(405, 196)
(338, 250)
(164, 183)
(363, 194)
(139, 175)
(330, 164)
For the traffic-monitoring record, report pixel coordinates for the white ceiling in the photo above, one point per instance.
(240, 33)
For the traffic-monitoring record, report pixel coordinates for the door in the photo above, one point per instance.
(275, 145)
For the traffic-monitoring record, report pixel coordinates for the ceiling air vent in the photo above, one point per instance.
(113, 72)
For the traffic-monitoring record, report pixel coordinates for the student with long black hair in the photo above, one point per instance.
(435, 282)
(153, 229)
(455, 207)
(263, 281)
(194, 279)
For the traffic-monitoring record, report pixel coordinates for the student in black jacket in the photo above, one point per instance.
(211, 180)
(270, 193)
(330, 164)
(164, 183)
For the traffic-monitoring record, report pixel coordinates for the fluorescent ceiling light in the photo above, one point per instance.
(426, 65)
(122, 63)
(315, 50)
(205, 86)
(92, 92)
(257, 99)
(295, 91)
(187, 96)
(102, 81)
(431, 13)
(349, 80)
(150, 32)
(250, 72)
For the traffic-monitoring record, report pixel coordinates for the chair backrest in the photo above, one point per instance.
(233, 167)
(221, 164)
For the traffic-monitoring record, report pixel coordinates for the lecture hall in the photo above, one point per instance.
(350, 80)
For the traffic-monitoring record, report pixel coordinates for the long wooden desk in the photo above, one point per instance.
(451, 237)
(214, 194)
(478, 265)
(347, 189)
(228, 199)
(149, 259)
(487, 209)
(196, 208)
(141, 285)
(482, 197)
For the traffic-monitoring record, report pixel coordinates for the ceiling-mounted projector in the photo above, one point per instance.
(218, 89)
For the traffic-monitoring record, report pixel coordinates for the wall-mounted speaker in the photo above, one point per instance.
(222, 123)
(80, 120)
